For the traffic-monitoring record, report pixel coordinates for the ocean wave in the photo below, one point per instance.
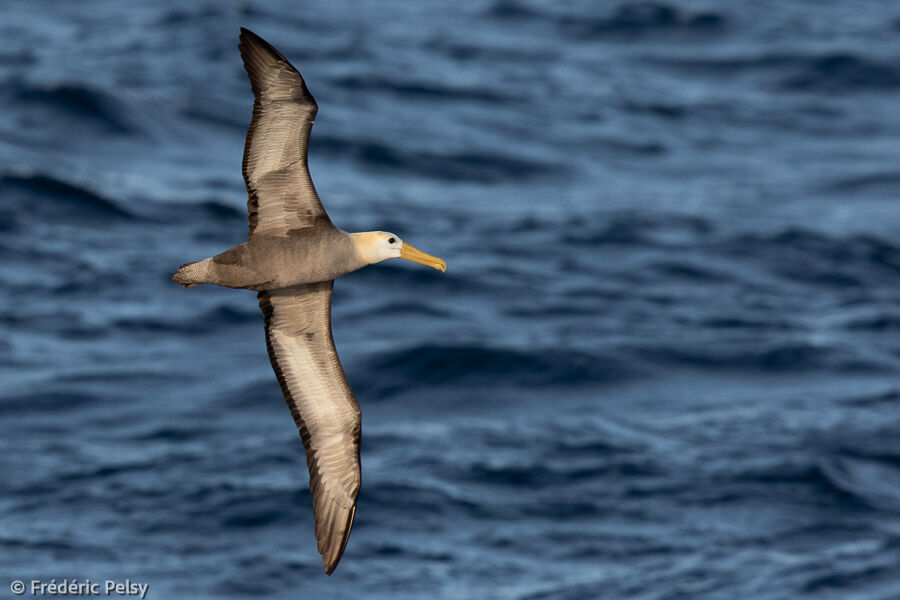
(181, 16)
(420, 89)
(464, 52)
(774, 323)
(512, 9)
(43, 197)
(730, 65)
(79, 103)
(470, 165)
(784, 357)
(885, 398)
(58, 548)
(643, 17)
(17, 56)
(809, 478)
(408, 553)
(627, 19)
(888, 182)
(842, 469)
(39, 401)
(688, 271)
(840, 72)
(221, 211)
(853, 576)
(563, 509)
(540, 367)
(877, 322)
(193, 213)
(169, 433)
(419, 279)
(834, 72)
(538, 476)
(622, 145)
(216, 506)
(418, 499)
(404, 310)
(636, 229)
(211, 320)
(99, 472)
(665, 109)
(871, 481)
(593, 441)
(205, 111)
(817, 258)
(529, 476)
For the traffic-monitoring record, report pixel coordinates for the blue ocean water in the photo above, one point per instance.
(663, 363)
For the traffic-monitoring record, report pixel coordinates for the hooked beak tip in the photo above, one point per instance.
(410, 253)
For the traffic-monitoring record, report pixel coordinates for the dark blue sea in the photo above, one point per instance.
(664, 361)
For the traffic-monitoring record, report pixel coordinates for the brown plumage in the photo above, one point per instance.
(276, 148)
(291, 257)
(298, 336)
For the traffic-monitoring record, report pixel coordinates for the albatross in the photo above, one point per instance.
(291, 257)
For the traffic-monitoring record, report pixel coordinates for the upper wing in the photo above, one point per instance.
(298, 336)
(281, 193)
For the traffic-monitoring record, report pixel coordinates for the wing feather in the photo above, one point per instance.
(281, 194)
(301, 349)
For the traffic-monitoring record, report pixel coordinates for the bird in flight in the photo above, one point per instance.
(291, 257)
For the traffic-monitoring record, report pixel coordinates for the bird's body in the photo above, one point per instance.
(264, 262)
(291, 257)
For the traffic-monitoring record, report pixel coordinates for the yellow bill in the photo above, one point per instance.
(410, 253)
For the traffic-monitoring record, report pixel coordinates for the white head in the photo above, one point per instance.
(376, 246)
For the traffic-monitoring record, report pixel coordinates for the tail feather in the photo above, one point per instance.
(186, 275)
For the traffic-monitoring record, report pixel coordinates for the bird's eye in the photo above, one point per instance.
(391, 241)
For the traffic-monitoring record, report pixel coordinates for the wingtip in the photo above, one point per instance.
(331, 565)
(246, 33)
(251, 38)
(246, 39)
(250, 43)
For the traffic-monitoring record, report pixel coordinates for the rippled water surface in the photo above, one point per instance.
(663, 362)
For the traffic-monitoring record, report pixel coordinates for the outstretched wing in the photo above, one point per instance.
(301, 348)
(281, 193)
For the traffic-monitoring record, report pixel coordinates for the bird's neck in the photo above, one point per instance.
(364, 244)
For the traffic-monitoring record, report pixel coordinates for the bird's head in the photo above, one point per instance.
(376, 246)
